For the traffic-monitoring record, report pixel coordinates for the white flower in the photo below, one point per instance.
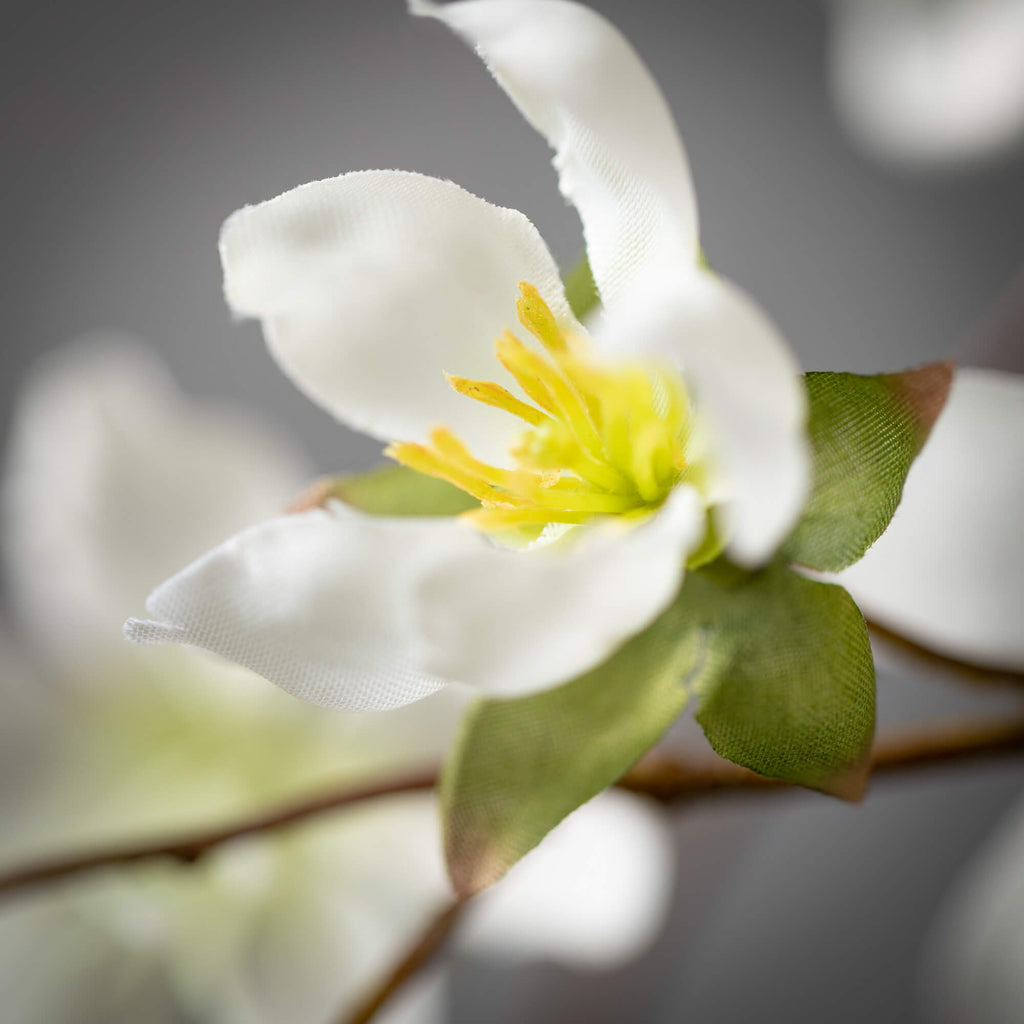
(974, 959)
(948, 573)
(928, 83)
(387, 296)
(282, 929)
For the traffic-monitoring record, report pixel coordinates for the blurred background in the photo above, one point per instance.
(133, 128)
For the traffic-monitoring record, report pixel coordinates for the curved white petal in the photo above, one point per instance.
(948, 573)
(326, 914)
(594, 894)
(113, 480)
(747, 388)
(57, 966)
(318, 603)
(619, 156)
(930, 83)
(514, 622)
(974, 963)
(373, 285)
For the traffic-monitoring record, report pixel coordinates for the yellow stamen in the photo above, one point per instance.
(600, 439)
(495, 395)
(535, 315)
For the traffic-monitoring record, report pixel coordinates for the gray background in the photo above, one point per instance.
(132, 128)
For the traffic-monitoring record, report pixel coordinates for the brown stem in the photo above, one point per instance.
(664, 779)
(929, 659)
(190, 848)
(671, 781)
(428, 945)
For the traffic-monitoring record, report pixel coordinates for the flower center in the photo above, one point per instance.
(600, 439)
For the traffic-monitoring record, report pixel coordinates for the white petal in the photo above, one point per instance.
(317, 603)
(325, 915)
(747, 387)
(948, 573)
(57, 967)
(422, 1000)
(930, 83)
(619, 156)
(594, 894)
(114, 480)
(514, 622)
(373, 285)
(975, 956)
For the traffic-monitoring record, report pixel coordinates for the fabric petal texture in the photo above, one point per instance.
(318, 603)
(619, 157)
(114, 480)
(747, 387)
(513, 623)
(948, 573)
(365, 613)
(374, 285)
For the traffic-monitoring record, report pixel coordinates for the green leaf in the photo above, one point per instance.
(580, 289)
(783, 672)
(865, 433)
(520, 766)
(390, 491)
(793, 691)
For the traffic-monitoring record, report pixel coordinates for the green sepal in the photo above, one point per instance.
(792, 695)
(519, 766)
(865, 433)
(390, 490)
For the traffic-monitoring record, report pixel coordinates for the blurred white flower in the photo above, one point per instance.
(930, 83)
(685, 409)
(283, 928)
(948, 573)
(973, 967)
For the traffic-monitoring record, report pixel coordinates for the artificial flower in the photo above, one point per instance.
(930, 84)
(102, 746)
(602, 462)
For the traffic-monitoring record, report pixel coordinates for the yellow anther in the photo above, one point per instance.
(507, 348)
(567, 404)
(536, 316)
(495, 395)
(425, 460)
(600, 439)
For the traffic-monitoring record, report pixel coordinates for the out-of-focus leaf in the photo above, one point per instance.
(865, 433)
(580, 289)
(390, 491)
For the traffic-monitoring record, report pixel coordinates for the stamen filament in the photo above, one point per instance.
(512, 352)
(422, 459)
(507, 519)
